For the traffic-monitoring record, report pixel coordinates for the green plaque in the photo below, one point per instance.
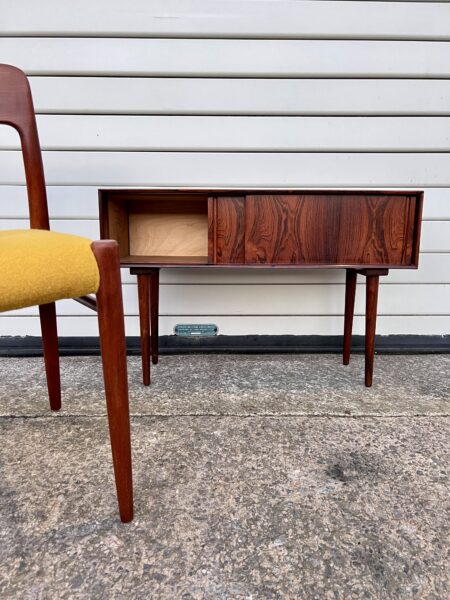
(202, 329)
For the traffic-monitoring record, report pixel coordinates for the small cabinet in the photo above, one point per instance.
(364, 232)
(273, 228)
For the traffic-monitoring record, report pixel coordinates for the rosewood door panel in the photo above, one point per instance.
(324, 229)
(229, 230)
(376, 230)
(272, 234)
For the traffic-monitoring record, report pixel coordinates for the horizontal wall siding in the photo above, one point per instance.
(222, 18)
(251, 299)
(238, 134)
(244, 93)
(215, 96)
(227, 58)
(224, 169)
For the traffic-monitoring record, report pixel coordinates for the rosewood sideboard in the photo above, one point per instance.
(363, 232)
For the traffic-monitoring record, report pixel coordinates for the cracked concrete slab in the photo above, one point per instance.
(308, 506)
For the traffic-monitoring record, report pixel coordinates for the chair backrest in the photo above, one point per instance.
(16, 109)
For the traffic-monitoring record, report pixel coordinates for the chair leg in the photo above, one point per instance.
(154, 312)
(144, 322)
(350, 289)
(47, 314)
(372, 282)
(113, 348)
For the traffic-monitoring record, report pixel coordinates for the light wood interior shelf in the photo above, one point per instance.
(164, 229)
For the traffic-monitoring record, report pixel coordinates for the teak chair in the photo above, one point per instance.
(38, 267)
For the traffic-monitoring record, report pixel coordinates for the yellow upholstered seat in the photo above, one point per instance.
(39, 266)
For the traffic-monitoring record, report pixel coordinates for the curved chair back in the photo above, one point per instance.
(16, 109)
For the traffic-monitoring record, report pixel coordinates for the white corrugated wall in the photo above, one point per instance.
(238, 93)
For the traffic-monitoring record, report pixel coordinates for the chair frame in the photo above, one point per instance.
(17, 110)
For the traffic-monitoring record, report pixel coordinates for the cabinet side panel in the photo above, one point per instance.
(230, 230)
(103, 214)
(114, 222)
(417, 229)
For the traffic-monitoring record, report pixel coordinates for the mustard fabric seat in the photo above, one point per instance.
(39, 266)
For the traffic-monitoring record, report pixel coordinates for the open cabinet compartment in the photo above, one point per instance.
(157, 228)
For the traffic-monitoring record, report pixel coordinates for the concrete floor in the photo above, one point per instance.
(256, 477)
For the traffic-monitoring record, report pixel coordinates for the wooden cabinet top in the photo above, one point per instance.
(245, 191)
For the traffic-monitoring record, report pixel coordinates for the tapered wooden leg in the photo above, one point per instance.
(144, 320)
(154, 312)
(372, 282)
(47, 314)
(350, 289)
(112, 344)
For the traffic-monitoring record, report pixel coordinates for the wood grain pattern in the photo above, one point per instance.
(144, 324)
(350, 290)
(417, 228)
(114, 359)
(47, 315)
(211, 230)
(372, 284)
(164, 261)
(280, 228)
(154, 313)
(229, 230)
(168, 234)
(17, 110)
(114, 222)
(329, 229)
(271, 229)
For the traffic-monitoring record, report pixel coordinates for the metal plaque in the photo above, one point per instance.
(201, 329)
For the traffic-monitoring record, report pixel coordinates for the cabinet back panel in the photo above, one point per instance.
(168, 234)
